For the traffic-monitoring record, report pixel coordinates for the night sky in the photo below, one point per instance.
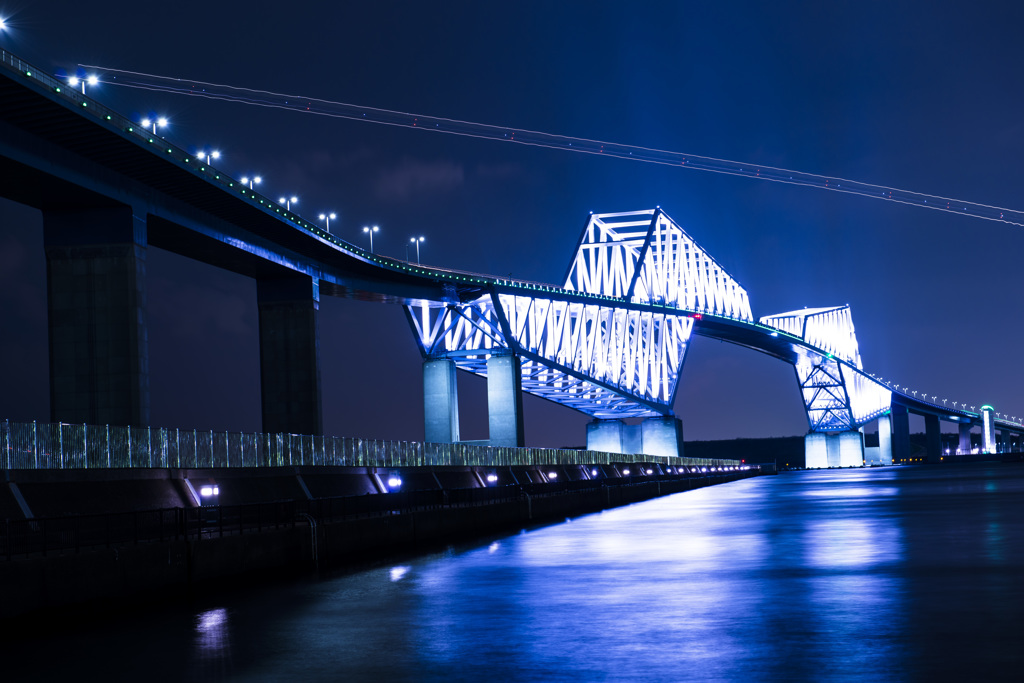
(918, 96)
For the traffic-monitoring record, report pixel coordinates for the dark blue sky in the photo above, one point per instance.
(920, 96)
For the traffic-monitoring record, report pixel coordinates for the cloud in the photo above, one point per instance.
(412, 178)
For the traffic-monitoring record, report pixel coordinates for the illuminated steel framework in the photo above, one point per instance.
(617, 358)
(837, 395)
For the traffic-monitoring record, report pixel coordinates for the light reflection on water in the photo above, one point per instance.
(867, 575)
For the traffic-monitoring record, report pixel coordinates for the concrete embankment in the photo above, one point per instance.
(299, 539)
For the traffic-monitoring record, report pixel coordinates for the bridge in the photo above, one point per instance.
(609, 342)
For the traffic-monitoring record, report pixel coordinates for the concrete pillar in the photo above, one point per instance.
(900, 433)
(839, 449)
(440, 401)
(988, 429)
(933, 438)
(965, 438)
(505, 401)
(885, 440)
(96, 294)
(289, 325)
(815, 450)
(605, 436)
(662, 436)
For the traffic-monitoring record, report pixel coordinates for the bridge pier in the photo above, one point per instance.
(885, 440)
(933, 438)
(900, 432)
(965, 438)
(505, 401)
(289, 328)
(662, 436)
(988, 429)
(96, 297)
(837, 449)
(440, 401)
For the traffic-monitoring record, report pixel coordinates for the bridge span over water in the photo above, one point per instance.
(610, 341)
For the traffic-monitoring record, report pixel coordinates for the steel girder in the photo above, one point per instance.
(645, 257)
(603, 360)
(837, 395)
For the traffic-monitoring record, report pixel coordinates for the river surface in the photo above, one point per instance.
(886, 574)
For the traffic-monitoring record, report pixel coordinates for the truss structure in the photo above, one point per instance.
(645, 257)
(613, 359)
(603, 360)
(837, 395)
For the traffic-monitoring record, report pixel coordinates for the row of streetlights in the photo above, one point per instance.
(209, 156)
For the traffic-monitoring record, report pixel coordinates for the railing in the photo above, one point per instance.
(43, 536)
(51, 446)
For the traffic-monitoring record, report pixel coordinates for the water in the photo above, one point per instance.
(868, 575)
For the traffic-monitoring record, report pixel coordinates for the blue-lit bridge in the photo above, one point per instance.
(609, 342)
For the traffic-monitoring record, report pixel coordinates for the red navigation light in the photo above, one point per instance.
(696, 316)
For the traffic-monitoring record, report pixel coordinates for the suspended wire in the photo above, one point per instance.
(355, 112)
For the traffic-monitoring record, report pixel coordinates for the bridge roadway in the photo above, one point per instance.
(102, 181)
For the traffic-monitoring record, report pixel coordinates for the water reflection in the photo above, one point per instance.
(866, 575)
(212, 644)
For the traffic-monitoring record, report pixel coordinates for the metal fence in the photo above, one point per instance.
(49, 446)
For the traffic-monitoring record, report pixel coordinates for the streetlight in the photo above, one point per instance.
(288, 201)
(91, 80)
(327, 217)
(370, 232)
(255, 180)
(209, 156)
(417, 241)
(159, 121)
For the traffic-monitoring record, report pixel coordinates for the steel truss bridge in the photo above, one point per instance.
(610, 341)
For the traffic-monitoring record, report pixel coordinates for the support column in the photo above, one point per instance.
(933, 438)
(965, 438)
(815, 450)
(988, 429)
(900, 433)
(440, 401)
(289, 313)
(662, 436)
(96, 294)
(885, 440)
(505, 401)
(605, 436)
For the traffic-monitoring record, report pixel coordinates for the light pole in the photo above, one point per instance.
(288, 201)
(255, 180)
(209, 156)
(327, 217)
(416, 241)
(370, 232)
(91, 80)
(147, 122)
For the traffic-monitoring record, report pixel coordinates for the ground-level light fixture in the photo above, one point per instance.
(209, 491)
(492, 478)
(394, 481)
(625, 472)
